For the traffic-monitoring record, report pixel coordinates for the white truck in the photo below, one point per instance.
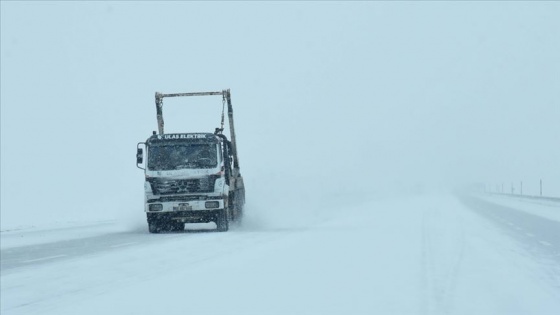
(191, 177)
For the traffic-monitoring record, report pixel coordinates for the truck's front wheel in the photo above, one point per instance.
(222, 221)
(154, 225)
(154, 228)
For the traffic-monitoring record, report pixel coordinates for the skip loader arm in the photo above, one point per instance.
(226, 95)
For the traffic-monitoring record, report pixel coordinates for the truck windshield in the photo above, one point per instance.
(181, 156)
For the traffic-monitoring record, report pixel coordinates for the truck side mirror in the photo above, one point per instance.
(139, 156)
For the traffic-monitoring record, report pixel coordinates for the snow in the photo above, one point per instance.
(422, 254)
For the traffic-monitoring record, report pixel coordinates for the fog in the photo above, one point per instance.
(332, 100)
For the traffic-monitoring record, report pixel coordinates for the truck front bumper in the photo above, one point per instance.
(179, 206)
(200, 216)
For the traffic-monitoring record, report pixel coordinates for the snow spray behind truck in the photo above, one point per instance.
(191, 177)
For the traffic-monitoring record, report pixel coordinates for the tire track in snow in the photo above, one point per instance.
(439, 269)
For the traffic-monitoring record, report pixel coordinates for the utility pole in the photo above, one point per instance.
(521, 189)
(541, 187)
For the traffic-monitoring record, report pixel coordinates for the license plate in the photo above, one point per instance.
(183, 207)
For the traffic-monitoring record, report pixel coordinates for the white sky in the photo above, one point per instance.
(328, 96)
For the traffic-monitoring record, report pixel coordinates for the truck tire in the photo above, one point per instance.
(154, 228)
(236, 208)
(154, 223)
(222, 221)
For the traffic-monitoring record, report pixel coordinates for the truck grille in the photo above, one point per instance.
(162, 186)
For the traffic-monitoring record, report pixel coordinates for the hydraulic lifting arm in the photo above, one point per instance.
(226, 95)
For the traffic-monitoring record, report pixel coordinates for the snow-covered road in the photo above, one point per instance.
(428, 254)
(540, 235)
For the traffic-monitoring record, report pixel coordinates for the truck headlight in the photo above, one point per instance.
(147, 187)
(156, 207)
(212, 204)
